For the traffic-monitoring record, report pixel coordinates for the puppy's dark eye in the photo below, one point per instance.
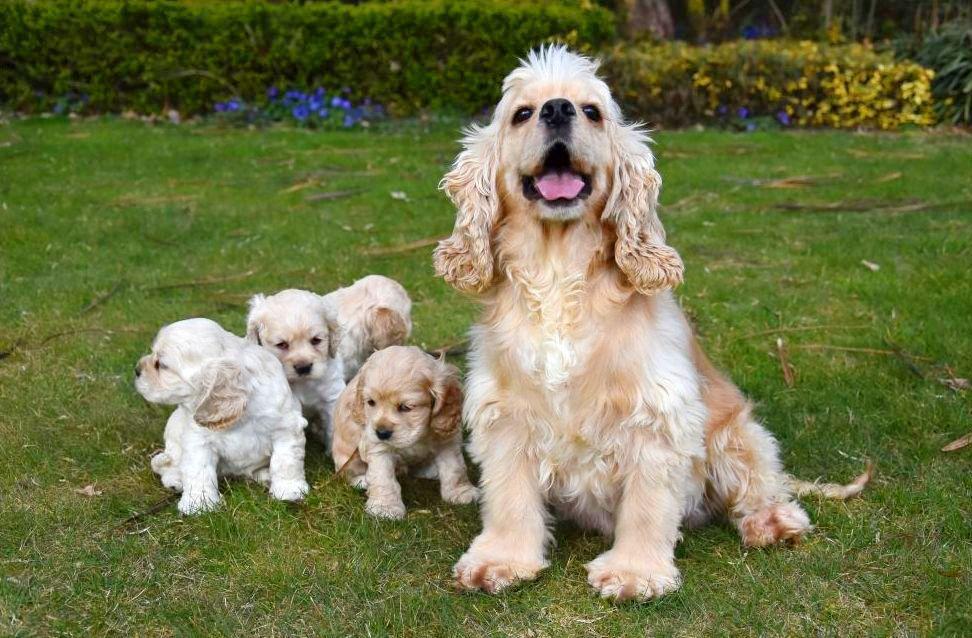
(370, 402)
(403, 407)
(283, 345)
(592, 113)
(316, 341)
(158, 364)
(522, 114)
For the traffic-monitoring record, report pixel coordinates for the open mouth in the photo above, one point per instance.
(557, 183)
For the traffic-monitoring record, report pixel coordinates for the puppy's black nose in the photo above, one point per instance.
(303, 370)
(383, 434)
(138, 371)
(557, 113)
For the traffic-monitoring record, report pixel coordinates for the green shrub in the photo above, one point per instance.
(147, 55)
(949, 53)
(803, 83)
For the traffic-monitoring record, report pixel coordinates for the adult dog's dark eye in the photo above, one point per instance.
(403, 407)
(371, 402)
(592, 113)
(522, 114)
(283, 345)
(316, 341)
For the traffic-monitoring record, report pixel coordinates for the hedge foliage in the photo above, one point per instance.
(812, 84)
(147, 55)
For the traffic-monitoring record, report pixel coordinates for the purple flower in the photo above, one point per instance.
(300, 112)
(273, 92)
(348, 121)
(315, 104)
(783, 118)
(743, 112)
(750, 32)
(722, 110)
(233, 105)
(337, 102)
(219, 107)
(323, 112)
(320, 93)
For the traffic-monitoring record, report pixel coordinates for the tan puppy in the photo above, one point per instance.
(401, 411)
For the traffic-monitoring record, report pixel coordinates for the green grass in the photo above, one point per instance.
(127, 216)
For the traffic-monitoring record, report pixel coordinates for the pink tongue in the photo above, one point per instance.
(563, 186)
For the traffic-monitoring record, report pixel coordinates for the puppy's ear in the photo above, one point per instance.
(640, 251)
(252, 324)
(446, 391)
(357, 396)
(221, 398)
(334, 330)
(465, 260)
(386, 327)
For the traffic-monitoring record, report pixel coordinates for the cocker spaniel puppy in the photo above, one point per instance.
(374, 312)
(301, 329)
(235, 415)
(587, 392)
(401, 411)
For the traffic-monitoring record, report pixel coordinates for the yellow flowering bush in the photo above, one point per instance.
(799, 83)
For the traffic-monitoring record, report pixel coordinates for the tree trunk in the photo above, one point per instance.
(650, 16)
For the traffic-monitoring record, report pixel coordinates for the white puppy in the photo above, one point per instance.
(374, 312)
(235, 415)
(300, 328)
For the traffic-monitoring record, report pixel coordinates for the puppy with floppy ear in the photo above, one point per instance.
(401, 411)
(235, 414)
(301, 329)
(374, 312)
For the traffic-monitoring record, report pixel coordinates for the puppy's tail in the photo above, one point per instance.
(832, 490)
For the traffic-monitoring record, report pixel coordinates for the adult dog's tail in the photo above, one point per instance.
(833, 490)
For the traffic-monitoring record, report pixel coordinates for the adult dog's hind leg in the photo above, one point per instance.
(746, 479)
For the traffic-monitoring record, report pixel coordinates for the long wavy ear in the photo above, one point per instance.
(222, 396)
(357, 396)
(465, 260)
(446, 391)
(641, 253)
(334, 330)
(252, 324)
(386, 327)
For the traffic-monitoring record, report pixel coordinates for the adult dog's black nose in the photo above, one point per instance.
(383, 434)
(138, 371)
(304, 369)
(557, 113)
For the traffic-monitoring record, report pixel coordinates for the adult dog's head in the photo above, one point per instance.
(558, 150)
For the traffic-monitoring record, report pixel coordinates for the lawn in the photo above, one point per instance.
(111, 229)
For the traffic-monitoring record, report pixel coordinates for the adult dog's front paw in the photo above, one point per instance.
(621, 579)
(385, 509)
(291, 490)
(492, 575)
(461, 495)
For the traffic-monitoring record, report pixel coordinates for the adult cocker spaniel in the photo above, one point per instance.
(587, 392)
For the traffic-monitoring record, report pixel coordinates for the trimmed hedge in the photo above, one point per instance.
(147, 55)
(803, 83)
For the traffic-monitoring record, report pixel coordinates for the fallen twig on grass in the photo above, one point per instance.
(207, 281)
(401, 248)
(155, 508)
(867, 206)
(824, 346)
(785, 366)
(796, 181)
(906, 358)
(774, 331)
(329, 195)
(136, 200)
(102, 298)
(451, 349)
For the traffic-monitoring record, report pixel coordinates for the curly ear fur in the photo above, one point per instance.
(334, 330)
(252, 325)
(357, 400)
(640, 251)
(222, 395)
(465, 260)
(386, 327)
(446, 391)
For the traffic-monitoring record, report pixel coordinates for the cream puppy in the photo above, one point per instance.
(401, 411)
(235, 415)
(301, 329)
(374, 312)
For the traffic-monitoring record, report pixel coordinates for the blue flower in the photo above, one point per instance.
(323, 113)
(320, 93)
(750, 32)
(783, 118)
(219, 107)
(722, 110)
(294, 96)
(233, 105)
(273, 92)
(315, 104)
(348, 121)
(750, 127)
(743, 112)
(300, 112)
(337, 102)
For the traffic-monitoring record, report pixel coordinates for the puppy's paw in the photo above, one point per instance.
(196, 502)
(461, 494)
(492, 575)
(622, 579)
(172, 479)
(779, 522)
(289, 490)
(359, 482)
(388, 509)
(161, 462)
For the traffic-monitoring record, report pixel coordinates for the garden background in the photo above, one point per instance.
(164, 159)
